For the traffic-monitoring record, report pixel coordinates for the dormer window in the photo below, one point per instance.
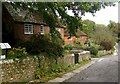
(28, 28)
(42, 29)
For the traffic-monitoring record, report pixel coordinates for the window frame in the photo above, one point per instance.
(69, 37)
(42, 29)
(28, 28)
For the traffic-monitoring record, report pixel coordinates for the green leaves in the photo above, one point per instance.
(88, 27)
(51, 11)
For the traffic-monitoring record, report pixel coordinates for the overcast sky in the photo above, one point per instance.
(103, 16)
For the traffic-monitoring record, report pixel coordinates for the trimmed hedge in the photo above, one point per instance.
(92, 50)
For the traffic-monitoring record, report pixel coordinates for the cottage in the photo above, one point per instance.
(22, 24)
(82, 37)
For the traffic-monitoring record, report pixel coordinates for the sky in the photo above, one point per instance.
(102, 16)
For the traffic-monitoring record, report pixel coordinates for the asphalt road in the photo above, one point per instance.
(103, 70)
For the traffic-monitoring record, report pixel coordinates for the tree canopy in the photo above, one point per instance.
(113, 26)
(51, 11)
(88, 27)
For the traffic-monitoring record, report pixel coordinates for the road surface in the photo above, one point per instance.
(104, 70)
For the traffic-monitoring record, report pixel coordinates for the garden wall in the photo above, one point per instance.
(24, 70)
(104, 52)
(19, 71)
(70, 59)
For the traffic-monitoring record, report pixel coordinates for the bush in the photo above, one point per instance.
(92, 50)
(107, 45)
(77, 43)
(98, 47)
(46, 44)
(17, 53)
(68, 47)
(48, 68)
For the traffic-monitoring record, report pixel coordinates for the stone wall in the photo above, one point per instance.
(104, 52)
(70, 59)
(19, 71)
(24, 70)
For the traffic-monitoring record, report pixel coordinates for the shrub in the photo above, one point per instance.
(47, 67)
(77, 43)
(68, 47)
(107, 45)
(92, 50)
(47, 44)
(97, 46)
(17, 53)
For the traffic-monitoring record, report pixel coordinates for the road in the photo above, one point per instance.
(103, 70)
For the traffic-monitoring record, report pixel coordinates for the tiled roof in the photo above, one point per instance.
(21, 15)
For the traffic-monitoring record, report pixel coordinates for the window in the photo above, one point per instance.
(28, 28)
(42, 29)
(69, 38)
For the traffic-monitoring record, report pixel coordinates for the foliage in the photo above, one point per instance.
(77, 42)
(92, 50)
(107, 45)
(78, 45)
(68, 47)
(88, 27)
(17, 53)
(47, 44)
(102, 35)
(113, 26)
(97, 46)
(49, 68)
(50, 11)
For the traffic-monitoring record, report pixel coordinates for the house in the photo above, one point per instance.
(20, 25)
(81, 37)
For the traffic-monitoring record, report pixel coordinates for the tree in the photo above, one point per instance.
(113, 26)
(88, 27)
(50, 11)
(103, 36)
(101, 33)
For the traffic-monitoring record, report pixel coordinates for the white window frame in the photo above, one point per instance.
(42, 29)
(28, 28)
(70, 38)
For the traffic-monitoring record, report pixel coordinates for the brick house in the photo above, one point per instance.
(82, 37)
(22, 24)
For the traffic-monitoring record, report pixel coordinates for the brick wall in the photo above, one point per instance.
(19, 31)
